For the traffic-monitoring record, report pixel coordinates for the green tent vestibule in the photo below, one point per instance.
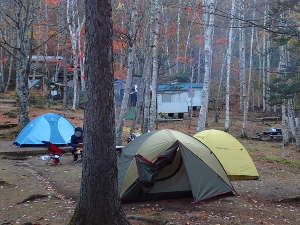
(169, 164)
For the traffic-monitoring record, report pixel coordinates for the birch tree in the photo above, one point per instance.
(130, 65)
(264, 62)
(247, 98)
(75, 27)
(155, 35)
(242, 57)
(147, 71)
(293, 124)
(208, 35)
(283, 61)
(228, 65)
(142, 105)
(179, 12)
(166, 39)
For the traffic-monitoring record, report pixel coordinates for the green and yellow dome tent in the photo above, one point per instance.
(231, 153)
(168, 164)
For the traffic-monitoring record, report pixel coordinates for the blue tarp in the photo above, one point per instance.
(47, 127)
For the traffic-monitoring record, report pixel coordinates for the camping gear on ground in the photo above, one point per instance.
(54, 153)
(168, 164)
(231, 153)
(49, 127)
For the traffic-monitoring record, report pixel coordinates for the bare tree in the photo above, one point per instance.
(242, 58)
(247, 99)
(130, 71)
(20, 17)
(155, 35)
(208, 35)
(228, 66)
(179, 12)
(75, 27)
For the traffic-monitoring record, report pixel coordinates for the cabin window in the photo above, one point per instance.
(166, 98)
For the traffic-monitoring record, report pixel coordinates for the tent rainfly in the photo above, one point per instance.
(49, 127)
(231, 153)
(169, 164)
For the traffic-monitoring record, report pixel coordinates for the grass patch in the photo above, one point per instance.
(281, 160)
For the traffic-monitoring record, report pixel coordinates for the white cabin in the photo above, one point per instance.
(178, 97)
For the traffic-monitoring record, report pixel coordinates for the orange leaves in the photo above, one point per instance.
(199, 39)
(118, 45)
(120, 74)
(183, 59)
(3, 60)
(188, 10)
(171, 29)
(52, 2)
(222, 41)
(117, 28)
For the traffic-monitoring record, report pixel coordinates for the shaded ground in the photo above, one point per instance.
(58, 188)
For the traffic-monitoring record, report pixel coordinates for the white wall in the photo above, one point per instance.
(177, 101)
(196, 99)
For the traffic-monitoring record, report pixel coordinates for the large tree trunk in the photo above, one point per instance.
(208, 35)
(99, 203)
(155, 34)
(130, 65)
(228, 67)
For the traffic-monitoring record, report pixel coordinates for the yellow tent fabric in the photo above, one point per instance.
(230, 152)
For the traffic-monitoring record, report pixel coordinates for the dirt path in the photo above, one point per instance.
(19, 182)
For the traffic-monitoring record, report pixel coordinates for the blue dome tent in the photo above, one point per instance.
(47, 127)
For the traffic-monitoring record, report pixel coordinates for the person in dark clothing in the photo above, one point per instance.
(76, 139)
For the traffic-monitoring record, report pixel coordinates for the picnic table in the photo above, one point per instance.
(269, 118)
(270, 135)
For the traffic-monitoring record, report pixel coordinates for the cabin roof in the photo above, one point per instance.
(178, 86)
